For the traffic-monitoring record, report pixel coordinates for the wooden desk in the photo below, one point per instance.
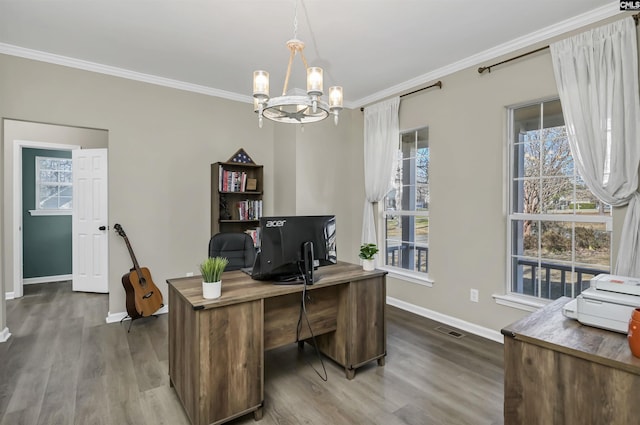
(558, 371)
(216, 347)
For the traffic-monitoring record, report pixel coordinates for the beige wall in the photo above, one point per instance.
(161, 144)
(319, 171)
(467, 224)
(330, 177)
(467, 122)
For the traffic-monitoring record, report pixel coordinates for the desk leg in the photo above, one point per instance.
(257, 414)
(381, 361)
(349, 373)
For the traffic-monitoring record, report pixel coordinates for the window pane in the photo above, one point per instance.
(593, 244)
(407, 242)
(47, 163)
(531, 196)
(524, 279)
(48, 176)
(390, 200)
(552, 114)
(46, 193)
(422, 194)
(65, 176)
(526, 159)
(407, 236)
(55, 197)
(408, 198)
(65, 197)
(54, 183)
(557, 160)
(554, 193)
(555, 240)
(393, 240)
(524, 236)
(526, 119)
(552, 258)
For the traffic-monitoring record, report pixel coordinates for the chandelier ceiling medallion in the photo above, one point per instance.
(295, 106)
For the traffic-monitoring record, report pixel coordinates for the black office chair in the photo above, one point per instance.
(236, 247)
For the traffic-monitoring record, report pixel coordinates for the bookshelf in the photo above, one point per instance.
(236, 196)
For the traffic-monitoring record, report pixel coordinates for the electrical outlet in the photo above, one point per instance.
(189, 274)
(474, 295)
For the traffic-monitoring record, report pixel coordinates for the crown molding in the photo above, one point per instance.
(571, 24)
(37, 55)
(542, 35)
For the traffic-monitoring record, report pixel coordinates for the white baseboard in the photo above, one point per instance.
(448, 320)
(4, 335)
(118, 317)
(46, 279)
(9, 295)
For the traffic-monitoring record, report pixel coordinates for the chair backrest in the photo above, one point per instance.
(236, 247)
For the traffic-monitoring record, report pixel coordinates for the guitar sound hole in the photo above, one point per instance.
(148, 295)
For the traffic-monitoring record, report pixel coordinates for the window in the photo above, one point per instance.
(559, 232)
(406, 206)
(54, 190)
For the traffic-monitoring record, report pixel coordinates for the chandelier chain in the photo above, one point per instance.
(295, 20)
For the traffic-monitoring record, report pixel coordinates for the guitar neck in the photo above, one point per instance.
(133, 258)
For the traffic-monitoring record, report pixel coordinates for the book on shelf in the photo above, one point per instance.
(255, 235)
(234, 181)
(250, 209)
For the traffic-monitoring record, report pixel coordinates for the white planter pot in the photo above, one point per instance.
(211, 290)
(368, 265)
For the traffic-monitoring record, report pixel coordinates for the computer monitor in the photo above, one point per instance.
(284, 247)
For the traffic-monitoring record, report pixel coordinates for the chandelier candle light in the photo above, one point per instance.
(295, 106)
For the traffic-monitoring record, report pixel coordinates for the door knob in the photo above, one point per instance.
(102, 228)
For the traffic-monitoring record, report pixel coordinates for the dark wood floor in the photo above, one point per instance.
(64, 365)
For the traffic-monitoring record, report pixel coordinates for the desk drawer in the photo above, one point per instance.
(281, 316)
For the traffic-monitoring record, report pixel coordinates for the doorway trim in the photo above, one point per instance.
(16, 222)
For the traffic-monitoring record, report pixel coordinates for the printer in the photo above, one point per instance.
(607, 303)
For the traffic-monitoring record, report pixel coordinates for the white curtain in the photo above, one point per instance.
(597, 77)
(381, 133)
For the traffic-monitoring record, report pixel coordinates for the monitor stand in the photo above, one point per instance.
(306, 268)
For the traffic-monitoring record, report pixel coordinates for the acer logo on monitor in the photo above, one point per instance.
(275, 223)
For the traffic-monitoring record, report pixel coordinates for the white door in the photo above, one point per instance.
(89, 224)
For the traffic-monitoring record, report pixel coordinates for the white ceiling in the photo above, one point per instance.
(373, 48)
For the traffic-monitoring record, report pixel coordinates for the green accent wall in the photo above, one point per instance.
(46, 246)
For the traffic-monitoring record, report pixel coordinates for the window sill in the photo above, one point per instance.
(519, 302)
(50, 212)
(407, 276)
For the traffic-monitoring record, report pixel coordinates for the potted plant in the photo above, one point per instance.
(211, 270)
(367, 252)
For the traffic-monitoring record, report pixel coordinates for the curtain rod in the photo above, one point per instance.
(482, 69)
(436, 84)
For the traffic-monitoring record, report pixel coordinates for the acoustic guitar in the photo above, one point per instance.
(143, 296)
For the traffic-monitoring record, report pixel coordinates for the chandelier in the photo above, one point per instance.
(295, 106)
